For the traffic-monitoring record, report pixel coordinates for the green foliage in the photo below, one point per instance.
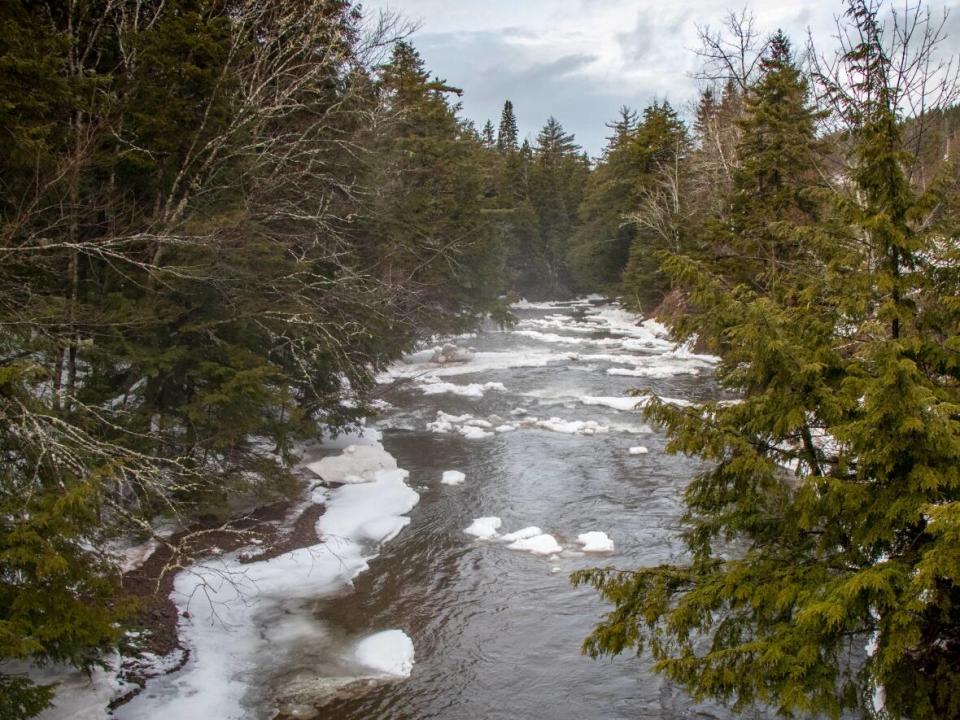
(825, 518)
(19, 698)
(219, 222)
(507, 133)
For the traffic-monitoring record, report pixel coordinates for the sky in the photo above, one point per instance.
(580, 60)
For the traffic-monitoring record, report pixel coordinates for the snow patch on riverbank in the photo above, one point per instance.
(238, 620)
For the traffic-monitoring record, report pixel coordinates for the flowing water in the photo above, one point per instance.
(497, 631)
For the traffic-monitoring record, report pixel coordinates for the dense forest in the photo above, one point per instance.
(220, 220)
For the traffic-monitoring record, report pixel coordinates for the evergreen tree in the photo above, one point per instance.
(823, 531)
(507, 133)
(202, 251)
(487, 136)
(656, 152)
(557, 177)
(773, 186)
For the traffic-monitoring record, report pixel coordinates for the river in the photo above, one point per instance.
(497, 631)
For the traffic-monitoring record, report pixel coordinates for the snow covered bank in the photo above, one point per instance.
(241, 621)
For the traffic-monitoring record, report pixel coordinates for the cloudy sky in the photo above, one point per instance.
(580, 60)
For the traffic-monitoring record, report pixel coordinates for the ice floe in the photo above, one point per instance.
(356, 464)
(522, 534)
(470, 390)
(537, 544)
(422, 370)
(452, 477)
(388, 653)
(616, 403)
(638, 450)
(595, 541)
(484, 528)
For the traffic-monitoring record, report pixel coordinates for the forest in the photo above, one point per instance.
(221, 219)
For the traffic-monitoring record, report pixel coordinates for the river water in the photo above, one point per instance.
(497, 631)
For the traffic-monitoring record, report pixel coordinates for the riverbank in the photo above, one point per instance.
(275, 529)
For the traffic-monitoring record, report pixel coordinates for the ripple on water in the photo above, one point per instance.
(498, 632)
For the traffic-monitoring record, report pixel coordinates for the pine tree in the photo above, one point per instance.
(507, 134)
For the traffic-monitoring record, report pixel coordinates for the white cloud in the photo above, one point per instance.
(579, 60)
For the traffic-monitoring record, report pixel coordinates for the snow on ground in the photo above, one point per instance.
(452, 477)
(388, 653)
(538, 545)
(78, 696)
(133, 557)
(484, 528)
(237, 619)
(595, 541)
(370, 512)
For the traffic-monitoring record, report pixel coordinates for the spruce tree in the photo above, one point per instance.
(772, 193)
(507, 134)
(487, 136)
(824, 528)
(656, 152)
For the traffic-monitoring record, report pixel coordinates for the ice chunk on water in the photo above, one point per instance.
(471, 432)
(617, 403)
(504, 428)
(538, 545)
(369, 512)
(357, 463)
(470, 390)
(595, 541)
(484, 527)
(389, 652)
(522, 534)
(452, 477)
(638, 450)
(572, 427)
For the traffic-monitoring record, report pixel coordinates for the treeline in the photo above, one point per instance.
(218, 221)
(806, 230)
